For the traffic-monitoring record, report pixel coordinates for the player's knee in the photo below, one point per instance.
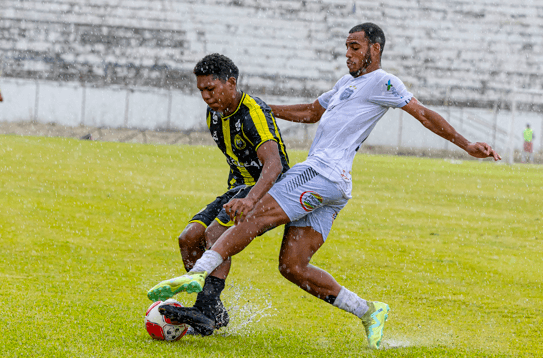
(212, 234)
(193, 235)
(290, 271)
(184, 240)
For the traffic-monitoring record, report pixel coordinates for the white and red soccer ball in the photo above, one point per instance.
(162, 328)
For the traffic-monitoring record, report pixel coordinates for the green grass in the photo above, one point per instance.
(86, 228)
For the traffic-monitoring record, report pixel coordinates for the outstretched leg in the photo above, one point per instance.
(267, 214)
(208, 301)
(298, 247)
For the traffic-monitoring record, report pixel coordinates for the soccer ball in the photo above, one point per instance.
(160, 327)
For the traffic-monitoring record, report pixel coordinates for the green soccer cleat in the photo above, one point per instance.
(190, 282)
(374, 322)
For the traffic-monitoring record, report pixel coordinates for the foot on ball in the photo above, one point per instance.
(192, 316)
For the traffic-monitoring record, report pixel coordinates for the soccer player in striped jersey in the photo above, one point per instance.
(244, 129)
(309, 196)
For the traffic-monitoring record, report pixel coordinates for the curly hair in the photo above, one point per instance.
(217, 65)
(373, 33)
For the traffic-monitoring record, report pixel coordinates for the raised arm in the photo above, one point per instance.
(302, 113)
(437, 124)
(268, 154)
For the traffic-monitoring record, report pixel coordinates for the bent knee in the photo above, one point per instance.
(192, 235)
(291, 272)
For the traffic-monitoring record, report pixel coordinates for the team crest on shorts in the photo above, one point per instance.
(239, 142)
(310, 200)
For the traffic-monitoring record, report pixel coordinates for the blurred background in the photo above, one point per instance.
(122, 69)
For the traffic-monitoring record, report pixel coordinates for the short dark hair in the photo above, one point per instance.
(374, 33)
(217, 65)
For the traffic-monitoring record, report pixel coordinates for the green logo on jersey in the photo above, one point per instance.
(239, 142)
(389, 85)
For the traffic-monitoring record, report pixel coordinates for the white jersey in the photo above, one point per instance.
(353, 108)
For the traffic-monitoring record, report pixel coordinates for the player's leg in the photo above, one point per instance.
(239, 236)
(297, 248)
(212, 234)
(301, 241)
(208, 304)
(288, 199)
(208, 312)
(208, 301)
(266, 215)
(192, 243)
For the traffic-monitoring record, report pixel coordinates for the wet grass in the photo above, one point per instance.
(86, 228)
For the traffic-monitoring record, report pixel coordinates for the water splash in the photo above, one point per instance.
(246, 306)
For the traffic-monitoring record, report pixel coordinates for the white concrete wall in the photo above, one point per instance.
(158, 109)
(473, 47)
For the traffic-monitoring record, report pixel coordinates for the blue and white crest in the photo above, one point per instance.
(346, 94)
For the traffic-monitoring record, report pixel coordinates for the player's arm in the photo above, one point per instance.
(268, 154)
(1, 98)
(302, 113)
(437, 124)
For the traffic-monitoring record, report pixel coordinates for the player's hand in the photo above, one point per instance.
(238, 209)
(482, 150)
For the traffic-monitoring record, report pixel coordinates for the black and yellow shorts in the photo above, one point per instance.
(215, 211)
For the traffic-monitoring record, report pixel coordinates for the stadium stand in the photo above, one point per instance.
(463, 51)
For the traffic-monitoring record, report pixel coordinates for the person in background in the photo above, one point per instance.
(528, 149)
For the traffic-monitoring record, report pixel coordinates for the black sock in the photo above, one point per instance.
(208, 299)
(330, 299)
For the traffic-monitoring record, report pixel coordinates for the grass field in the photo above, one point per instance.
(455, 249)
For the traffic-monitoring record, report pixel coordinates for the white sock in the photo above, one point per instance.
(350, 302)
(209, 261)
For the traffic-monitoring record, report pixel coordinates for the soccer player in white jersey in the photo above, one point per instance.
(309, 197)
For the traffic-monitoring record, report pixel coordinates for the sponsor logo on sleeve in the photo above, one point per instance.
(391, 88)
(310, 200)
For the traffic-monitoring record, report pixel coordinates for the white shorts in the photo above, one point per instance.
(308, 198)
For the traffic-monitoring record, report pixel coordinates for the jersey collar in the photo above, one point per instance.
(237, 109)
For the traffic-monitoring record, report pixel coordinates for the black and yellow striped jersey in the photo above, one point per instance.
(239, 136)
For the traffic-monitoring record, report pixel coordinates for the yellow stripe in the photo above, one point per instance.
(247, 177)
(199, 222)
(281, 144)
(209, 120)
(259, 119)
(228, 224)
(239, 105)
(233, 181)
